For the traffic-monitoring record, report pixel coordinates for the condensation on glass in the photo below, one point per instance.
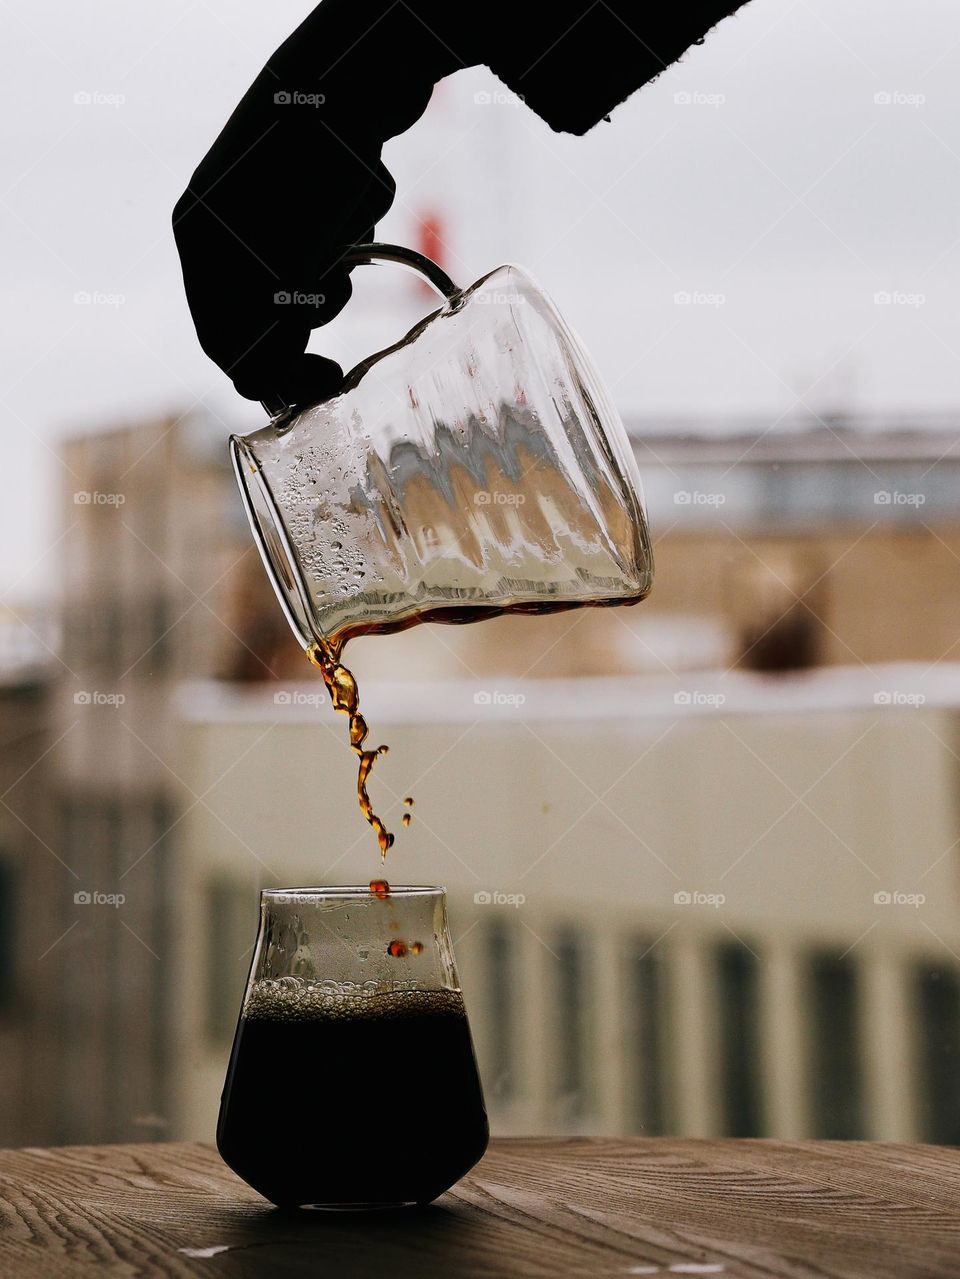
(475, 467)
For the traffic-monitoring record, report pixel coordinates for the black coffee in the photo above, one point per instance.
(340, 1100)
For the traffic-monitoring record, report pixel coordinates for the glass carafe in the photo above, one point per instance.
(478, 466)
(352, 1082)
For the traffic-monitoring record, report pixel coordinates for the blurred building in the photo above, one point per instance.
(722, 905)
(834, 545)
(831, 542)
(29, 907)
(155, 559)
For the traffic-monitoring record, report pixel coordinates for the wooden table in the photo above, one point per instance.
(585, 1207)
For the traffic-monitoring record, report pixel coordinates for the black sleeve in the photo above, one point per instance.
(572, 63)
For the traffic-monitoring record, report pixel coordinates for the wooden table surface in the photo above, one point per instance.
(580, 1207)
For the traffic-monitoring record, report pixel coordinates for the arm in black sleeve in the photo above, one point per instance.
(296, 175)
(576, 61)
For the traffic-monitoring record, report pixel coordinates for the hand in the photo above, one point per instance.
(294, 179)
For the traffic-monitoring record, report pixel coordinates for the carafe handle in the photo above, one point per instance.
(364, 254)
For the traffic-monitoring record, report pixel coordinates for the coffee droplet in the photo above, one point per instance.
(416, 948)
(380, 888)
(405, 819)
(409, 801)
(397, 948)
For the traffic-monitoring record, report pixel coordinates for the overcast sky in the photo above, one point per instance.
(801, 162)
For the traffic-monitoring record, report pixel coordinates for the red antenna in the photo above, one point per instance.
(431, 243)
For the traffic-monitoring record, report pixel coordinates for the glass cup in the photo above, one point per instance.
(352, 1082)
(477, 466)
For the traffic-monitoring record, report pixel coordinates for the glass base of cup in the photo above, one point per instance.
(386, 1206)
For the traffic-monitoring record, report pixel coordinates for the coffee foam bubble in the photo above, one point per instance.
(296, 999)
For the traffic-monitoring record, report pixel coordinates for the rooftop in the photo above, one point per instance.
(894, 688)
(827, 438)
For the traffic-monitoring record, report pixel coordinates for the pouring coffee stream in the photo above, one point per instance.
(345, 697)
(475, 468)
